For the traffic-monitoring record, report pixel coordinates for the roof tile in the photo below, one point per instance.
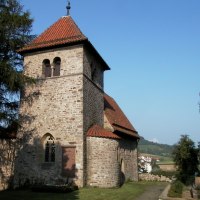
(98, 131)
(64, 31)
(117, 118)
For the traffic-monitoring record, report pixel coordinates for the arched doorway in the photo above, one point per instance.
(122, 172)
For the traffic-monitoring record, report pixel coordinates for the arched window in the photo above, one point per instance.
(49, 148)
(46, 68)
(56, 66)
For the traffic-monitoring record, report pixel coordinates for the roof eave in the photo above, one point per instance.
(31, 50)
(108, 137)
(85, 42)
(123, 134)
(89, 44)
(126, 131)
(98, 131)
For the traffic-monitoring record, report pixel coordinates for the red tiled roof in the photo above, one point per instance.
(63, 31)
(97, 131)
(117, 118)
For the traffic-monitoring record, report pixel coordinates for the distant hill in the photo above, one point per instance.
(148, 147)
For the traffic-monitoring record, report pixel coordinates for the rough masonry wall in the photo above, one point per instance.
(103, 165)
(93, 69)
(93, 103)
(57, 110)
(7, 159)
(127, 153)
(71, 61)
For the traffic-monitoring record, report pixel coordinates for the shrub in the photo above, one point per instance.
(176, 189)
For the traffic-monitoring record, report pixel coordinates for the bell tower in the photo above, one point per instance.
(69, 83)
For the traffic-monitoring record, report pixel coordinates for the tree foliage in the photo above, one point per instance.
(15, 27)
(185, 156)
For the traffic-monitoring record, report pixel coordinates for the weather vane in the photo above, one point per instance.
(68, 8)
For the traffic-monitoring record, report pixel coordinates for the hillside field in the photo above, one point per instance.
(163, 152)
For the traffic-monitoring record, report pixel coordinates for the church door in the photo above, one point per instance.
(68, 162)
(122, 173)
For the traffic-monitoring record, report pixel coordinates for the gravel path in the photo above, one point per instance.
(152, 192)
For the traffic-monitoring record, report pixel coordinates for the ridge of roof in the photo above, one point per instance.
(98, 131)
(63, 31)
(117, 118)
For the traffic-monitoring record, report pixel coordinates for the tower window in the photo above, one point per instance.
(56, 66)
(46, 68)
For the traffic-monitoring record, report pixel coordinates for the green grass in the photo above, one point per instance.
(128, 191)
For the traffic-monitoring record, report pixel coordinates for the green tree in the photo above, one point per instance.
(185, 156)
(15, 27)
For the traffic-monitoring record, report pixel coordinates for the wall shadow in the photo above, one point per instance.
(28, 194)
(24, 166)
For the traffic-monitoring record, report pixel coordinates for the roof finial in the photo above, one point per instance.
(68, 8)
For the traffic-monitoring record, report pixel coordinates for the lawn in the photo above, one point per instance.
(127, 192)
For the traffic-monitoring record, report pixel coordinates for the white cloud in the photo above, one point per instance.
(155, 140)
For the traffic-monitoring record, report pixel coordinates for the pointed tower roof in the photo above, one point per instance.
(64, 31)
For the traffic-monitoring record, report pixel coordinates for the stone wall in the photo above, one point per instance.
(151, 177)
(103, 165)
(93, 68)
(71, 61)
(93, 102)
(7, 161)
(127, 156)
(57, 110)
(111, 162)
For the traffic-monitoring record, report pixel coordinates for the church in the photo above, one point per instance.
(72, 131)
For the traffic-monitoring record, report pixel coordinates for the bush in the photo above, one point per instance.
(176, 189)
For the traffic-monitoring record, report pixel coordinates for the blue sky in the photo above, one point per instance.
(153, 49)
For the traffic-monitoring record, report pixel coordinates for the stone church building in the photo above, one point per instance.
(72, 130)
